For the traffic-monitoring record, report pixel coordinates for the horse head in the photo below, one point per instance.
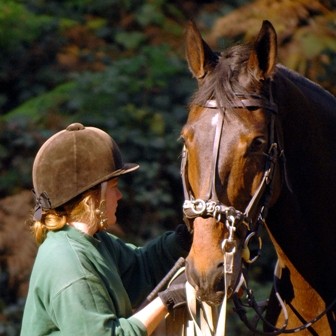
(229, 166)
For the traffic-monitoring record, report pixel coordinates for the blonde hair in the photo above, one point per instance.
(81, 209)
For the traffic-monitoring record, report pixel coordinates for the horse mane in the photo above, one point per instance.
(222, 83)
(311, 89)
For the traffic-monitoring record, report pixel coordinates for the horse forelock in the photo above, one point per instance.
(229, 78)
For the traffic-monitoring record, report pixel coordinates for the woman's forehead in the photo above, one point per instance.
(113, 182)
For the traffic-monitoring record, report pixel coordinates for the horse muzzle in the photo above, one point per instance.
(209, 287)
(215, 272)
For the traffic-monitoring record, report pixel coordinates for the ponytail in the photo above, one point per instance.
(81, 209)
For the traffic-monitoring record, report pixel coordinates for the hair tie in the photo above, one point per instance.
(41, 202)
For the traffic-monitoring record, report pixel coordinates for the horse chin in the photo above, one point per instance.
(216, 297)
(213, 299)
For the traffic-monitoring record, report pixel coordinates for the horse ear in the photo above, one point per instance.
(263, 57)
(200, 57)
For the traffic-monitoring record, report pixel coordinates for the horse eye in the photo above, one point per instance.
(253, 108)
(257, 144)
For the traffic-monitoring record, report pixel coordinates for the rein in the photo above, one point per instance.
(240, 309)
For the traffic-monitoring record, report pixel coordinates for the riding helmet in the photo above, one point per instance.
(73, 161)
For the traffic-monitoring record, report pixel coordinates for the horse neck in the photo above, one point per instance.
(302, 222)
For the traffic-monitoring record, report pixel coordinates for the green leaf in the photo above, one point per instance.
(37, 108)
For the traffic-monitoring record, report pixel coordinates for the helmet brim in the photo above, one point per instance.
(127, 168)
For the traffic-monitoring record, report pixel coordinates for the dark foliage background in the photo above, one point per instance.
(119, 65)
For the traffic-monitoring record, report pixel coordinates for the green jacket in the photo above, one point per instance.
(81, 285)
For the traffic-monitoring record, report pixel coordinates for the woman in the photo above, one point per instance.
(86, 281)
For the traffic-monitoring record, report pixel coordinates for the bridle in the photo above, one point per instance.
(256, 210)
(210, 206)
(253, 215)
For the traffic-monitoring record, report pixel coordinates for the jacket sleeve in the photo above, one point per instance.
(142, 268)
(90, 312)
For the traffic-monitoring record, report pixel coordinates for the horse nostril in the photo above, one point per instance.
(220, 265)
(219, 283)
(191, 276)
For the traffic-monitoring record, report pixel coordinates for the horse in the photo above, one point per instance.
(260, 152)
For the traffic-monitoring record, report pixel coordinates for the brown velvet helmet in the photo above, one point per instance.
(73, 161)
